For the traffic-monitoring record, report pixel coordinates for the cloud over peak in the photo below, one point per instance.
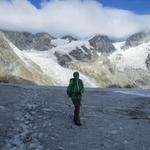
(81, 18)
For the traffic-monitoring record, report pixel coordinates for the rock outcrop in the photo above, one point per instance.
(148, 62)
(28, 41)
(78, 54)
(102, 43)
(136, 39)
(62, 59)
(69, 38)
(81, 53)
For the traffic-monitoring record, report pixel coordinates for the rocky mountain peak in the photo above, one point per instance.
(69, 38)
(26, 41)
(44, 34)
(136, 39)
(102, 43)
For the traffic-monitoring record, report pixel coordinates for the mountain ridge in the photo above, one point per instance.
(100, 61)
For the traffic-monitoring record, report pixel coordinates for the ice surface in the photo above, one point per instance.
(40, 118)
(49, 65)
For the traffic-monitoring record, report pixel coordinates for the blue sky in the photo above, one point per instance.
(136, 6)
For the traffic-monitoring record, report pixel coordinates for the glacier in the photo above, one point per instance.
(55, 66)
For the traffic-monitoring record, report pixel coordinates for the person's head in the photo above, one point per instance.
(76, 75)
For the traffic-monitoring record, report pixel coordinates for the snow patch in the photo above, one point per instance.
(68, 47)
(133, 57)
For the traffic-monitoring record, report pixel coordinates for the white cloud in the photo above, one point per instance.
(82, 18)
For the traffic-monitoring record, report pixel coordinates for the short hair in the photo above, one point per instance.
(75, 73)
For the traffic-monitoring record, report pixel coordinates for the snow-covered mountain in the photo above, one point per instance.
(51, 61)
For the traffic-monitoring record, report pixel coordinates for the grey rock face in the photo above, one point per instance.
(22, 40)
(69, 37)
(86, 49)
(136, 39)
(62, 59)
(80, 55)
(148, 62)
(27, 41)
(42, 41)
(102, 43)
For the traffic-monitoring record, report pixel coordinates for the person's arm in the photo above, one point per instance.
(82, 87)
(69, 88)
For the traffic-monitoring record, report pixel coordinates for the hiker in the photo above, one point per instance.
(75, 90)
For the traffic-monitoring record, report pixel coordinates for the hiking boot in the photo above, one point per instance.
(78, 123)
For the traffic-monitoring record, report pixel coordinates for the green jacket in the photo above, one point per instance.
(75, 89)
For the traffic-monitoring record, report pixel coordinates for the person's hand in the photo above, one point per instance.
(69, 94)
(79, 93)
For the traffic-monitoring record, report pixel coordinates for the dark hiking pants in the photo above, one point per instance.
(76, 110)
